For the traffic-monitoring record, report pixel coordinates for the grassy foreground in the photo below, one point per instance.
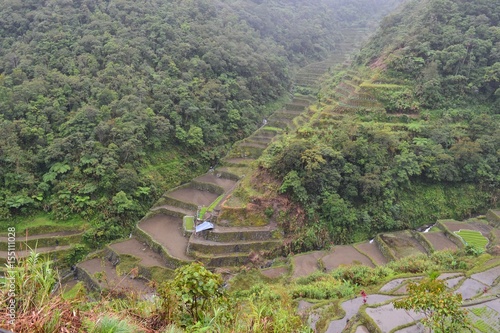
(197, 300)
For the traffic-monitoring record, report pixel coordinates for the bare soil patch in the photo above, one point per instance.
(167, 230)
(478, 226)
(305, 264)
(226, 184)
(439, 241)
(274, 272)
(110, 280)
(372, 250)
(344, 255)
(140, 250)
(192, 195)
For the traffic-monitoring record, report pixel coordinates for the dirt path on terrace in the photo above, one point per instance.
(344, 255)
(22, 237)
(192, 195)
(439, 241)
(111, 280)
(226, 184)
(373, 252)
(24, 253)
(140, 250)
(167, 230)
(305, 264)
(456, 226)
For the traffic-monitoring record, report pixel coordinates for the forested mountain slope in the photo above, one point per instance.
(409, 134)
(451, 48)
(105, 104)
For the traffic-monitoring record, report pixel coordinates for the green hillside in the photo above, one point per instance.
(122, 121)
(408, 134)
(104, 105)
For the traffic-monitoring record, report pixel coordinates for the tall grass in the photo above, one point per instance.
(109, 324)
(39, 309)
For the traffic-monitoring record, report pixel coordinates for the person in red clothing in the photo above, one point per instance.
(364, 296)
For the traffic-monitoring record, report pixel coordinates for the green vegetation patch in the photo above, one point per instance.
(42, 223)
(188, 222)
(472, 237)
(209, 208)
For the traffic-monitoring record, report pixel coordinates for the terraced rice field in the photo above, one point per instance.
(105, 274)
(472, 237)
(373, 252)
(351, 307)
(194, 196)
(453, 226)
(402, 244)
(212, 178)
(274, 272)
(305, 264)
(439, 241)
(483, 308)
(167, 231)
(140, 250)
(344, 255)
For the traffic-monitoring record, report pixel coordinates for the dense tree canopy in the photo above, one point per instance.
(450, 47)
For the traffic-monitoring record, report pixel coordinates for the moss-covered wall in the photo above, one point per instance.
(170, 261)
(451, 236)
(493, 217)
(384, 248)
(423, 241)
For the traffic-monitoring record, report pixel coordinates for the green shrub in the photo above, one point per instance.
(473, 250)
(448, 259)
(473, 238)
(326, 288)
(108, 324)
(413, 264)
(362, 275)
